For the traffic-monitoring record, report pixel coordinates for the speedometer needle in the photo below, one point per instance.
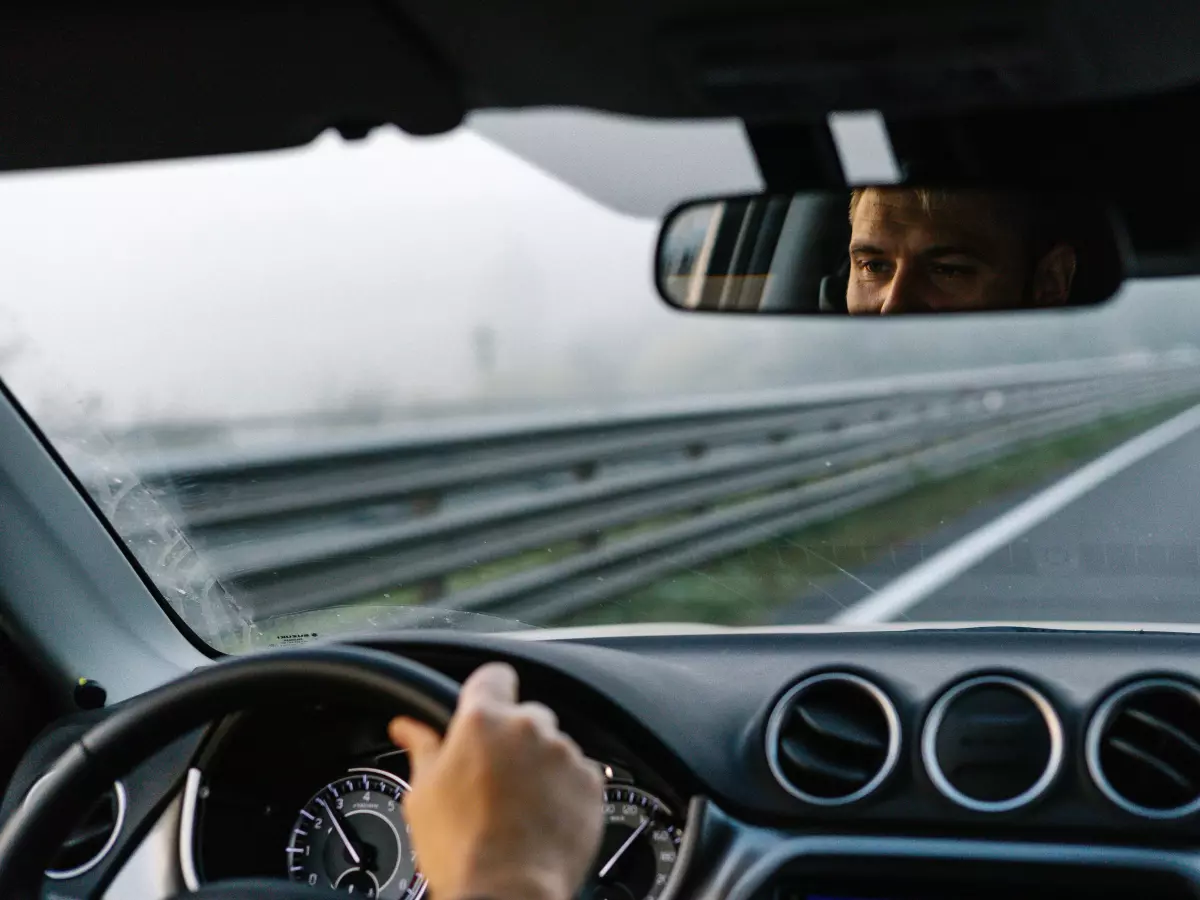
(345, 840)
(625, 846)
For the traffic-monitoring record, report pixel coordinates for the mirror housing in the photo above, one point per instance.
(889, 249)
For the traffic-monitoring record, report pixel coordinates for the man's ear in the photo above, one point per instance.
(1053, 275)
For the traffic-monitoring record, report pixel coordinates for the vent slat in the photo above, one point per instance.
(835, 724)
(1163, 727)
(1141, 756)
(91, 837)
(832, 739)
(1144, 748)
(803, 758)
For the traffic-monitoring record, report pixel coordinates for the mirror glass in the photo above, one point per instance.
(889, 250)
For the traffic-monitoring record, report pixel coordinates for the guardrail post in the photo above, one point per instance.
(431, 589)
(694, 452)
(587, 472)
(426, 504)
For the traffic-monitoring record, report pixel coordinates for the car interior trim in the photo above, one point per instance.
(780, 713)
(600, 688)
(698, 809)
(1092, 748)
(118, 824)
(187, 829)
(852, 850)
(67, 566)
(152, 870)
(933, 768)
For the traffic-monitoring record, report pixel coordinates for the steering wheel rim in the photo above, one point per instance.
(147, 723)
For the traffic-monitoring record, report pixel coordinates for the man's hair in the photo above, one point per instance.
(1038, 218)
(928, 198)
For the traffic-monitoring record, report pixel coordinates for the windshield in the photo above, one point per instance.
(415, 383)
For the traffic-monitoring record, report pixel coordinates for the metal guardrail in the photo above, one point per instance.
(637, 494)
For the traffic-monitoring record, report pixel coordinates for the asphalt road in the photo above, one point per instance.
(1126, 550)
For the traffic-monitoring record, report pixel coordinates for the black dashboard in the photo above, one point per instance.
(782, 766)
(273, 780)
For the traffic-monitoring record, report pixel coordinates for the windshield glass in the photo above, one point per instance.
(415, 383)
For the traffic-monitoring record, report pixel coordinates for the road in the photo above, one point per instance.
(1125, 549)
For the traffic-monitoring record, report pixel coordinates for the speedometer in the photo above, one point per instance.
(352, 837)
(639, 850)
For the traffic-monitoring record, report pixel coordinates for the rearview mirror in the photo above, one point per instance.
(883, 250)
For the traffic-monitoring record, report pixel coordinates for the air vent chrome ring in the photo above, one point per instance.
(118, 823)
(1054, 759)
(1095, 733)
(783, 709)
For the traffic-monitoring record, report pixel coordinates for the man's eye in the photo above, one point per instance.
(874, 266)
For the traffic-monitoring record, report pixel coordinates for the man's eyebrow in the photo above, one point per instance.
(867, 248)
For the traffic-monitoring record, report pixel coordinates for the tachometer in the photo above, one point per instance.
(640, 846)
(351, 836)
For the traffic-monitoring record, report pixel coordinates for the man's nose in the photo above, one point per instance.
(905, 292)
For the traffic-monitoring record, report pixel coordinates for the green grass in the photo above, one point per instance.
(510, 565)
(745, 587)
(624, 532)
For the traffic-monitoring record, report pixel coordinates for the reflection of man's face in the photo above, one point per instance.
(945, 252)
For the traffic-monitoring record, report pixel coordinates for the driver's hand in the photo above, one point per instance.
(505, 807)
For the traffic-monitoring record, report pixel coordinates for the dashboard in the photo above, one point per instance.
(324, 805)
(753, 766)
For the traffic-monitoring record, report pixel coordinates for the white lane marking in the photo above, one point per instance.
(864, 147)
(915, 585)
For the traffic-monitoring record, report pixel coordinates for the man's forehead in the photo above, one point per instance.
(965, 218)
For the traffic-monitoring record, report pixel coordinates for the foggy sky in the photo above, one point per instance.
(402, 271)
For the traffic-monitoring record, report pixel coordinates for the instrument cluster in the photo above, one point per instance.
(331, 814)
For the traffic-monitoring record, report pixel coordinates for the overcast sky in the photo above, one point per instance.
(402, 270)
(260, 284)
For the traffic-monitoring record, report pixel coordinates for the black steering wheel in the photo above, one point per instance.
(148, 723)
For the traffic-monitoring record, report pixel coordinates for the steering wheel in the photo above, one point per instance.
(146, 724)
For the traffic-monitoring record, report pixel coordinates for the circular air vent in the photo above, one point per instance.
(92, 838)
(833, 739)
(1143, 748)
(992, 744)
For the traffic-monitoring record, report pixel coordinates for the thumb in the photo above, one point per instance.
(421, 742)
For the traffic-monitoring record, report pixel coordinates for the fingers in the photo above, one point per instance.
(421, 742)
(491, 683)
(542, 715)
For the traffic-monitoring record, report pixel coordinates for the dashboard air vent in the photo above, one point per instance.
(1143, 748)
(992, 744)
(833, 739)
(92, 838)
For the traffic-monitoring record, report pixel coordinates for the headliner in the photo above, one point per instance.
(142, 80)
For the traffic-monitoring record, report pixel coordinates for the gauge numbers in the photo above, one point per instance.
(352, 837)
(639, 849)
